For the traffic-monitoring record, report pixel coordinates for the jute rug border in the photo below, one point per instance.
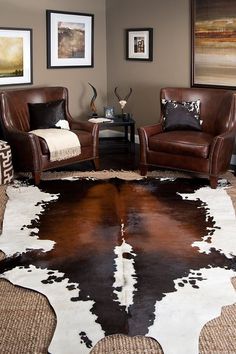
(106, 174)
(27, 321)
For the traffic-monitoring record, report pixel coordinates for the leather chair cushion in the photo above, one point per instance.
(46, 115)
(85, 138)
(189, 143)
(181, 115)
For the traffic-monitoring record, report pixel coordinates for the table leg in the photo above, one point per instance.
(126, 132)
(132, 133)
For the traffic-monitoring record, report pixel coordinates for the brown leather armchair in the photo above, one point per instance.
(30, 152)
(206, 152)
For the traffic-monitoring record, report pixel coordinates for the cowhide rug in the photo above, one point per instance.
(150, 257)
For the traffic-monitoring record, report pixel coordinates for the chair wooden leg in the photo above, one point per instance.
(96, 163)
(213, 181)
(143, 170)
(36, 177)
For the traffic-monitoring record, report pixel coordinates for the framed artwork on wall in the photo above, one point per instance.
(15, 56)
(69, 39)
(213, 43)
(139, 44)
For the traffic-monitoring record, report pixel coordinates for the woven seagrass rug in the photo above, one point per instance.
(120, 259)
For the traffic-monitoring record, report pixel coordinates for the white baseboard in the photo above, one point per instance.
(107, 133)
(114, 133)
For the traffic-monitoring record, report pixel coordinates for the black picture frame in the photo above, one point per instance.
(213, 44)
(61, 49)
(139, 44)
(15, 56)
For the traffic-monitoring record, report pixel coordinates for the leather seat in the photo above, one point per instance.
(207, 151)
(30, 153)
(187, 143)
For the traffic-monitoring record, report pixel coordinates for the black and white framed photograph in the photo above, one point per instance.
(69, 39)
(15, 56)
(139, 44)
(109, 112)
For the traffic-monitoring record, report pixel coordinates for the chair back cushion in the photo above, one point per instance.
(216, 106)
(14, 104)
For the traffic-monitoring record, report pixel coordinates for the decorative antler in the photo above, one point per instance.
(122, 101)
(92, 104)
(117, 95)
(127, 96)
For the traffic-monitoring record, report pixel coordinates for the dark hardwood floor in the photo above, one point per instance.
(119, 156)
(115, 156)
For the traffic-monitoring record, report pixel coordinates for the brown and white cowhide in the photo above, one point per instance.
(150, 257)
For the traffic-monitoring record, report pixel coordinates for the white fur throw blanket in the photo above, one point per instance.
(62, 143)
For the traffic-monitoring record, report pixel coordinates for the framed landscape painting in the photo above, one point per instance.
(15, 56)
(213, 43)
(69, 39)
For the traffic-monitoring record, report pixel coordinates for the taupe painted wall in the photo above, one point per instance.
(171, 48)
(32, 14)
(170, 20)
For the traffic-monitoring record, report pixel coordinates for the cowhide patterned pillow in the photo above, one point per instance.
(181, 115)
(48, 115)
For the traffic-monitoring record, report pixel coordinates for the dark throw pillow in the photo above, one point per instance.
(181, 115)
(46, 115)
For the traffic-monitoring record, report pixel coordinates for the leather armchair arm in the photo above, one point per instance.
(25, 149)
(221, 152)
(144, 133)
(87, 126)
(147, 131)
(150, 130)
(93, 128)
